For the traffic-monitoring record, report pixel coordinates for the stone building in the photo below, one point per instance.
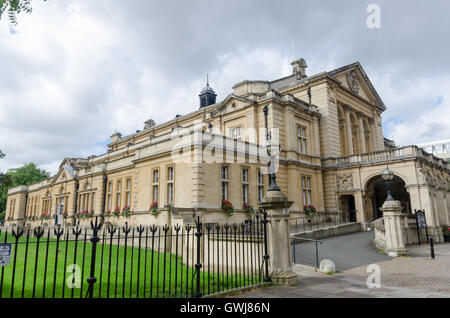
(332, 154)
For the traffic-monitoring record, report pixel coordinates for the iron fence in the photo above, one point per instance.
(134, 261)
(316, 222)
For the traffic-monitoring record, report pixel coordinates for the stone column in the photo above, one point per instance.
(359, 206)
(348, 131)
(316, 132)
(279, 240)
(372, 135)
(362, 137)
(394, 234)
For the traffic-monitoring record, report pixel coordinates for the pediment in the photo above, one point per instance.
(231, 103)
(64, 174)
(354, 78)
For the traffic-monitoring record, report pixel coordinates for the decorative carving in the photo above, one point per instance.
(424, 176)
(299, 68)
(352, 82)
(344, 182)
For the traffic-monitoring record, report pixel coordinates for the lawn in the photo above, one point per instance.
(121, 271)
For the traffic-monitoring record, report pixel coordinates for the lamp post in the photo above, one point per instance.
(388, 176)
(273, 149)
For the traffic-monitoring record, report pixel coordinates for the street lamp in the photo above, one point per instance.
(273, 149)
(388, 176)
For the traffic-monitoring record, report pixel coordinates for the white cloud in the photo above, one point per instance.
(74, 71)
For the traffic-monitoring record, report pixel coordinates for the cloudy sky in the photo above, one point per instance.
(74, 71)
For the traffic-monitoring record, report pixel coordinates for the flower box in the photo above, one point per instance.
(248, 209)
(154, 209)
(227, 206)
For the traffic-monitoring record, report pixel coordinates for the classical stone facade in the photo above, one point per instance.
(332, 154)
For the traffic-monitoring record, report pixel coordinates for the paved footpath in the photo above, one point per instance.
(415, 276)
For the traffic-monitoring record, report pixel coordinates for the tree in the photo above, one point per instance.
(26, 175)
(14, 7)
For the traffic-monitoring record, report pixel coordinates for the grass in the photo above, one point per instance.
(165, 275)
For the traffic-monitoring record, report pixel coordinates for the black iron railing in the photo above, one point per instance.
(316, 222)
(299, 240)
(134, 261)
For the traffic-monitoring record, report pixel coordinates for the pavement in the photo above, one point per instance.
(347, 251)
(416, 276)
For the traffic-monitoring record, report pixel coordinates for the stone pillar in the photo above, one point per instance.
(316, 132)
(372, 135)
(394, 234)
(362, 137)
(276, 205)
(348, 131)
(359, 206)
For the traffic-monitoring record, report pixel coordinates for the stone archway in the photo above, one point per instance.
(376, 193)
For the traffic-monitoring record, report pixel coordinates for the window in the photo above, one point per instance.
(224, 180)
(128, 193)
(245, 185)
(260, 186)
(119, 188)
(155, 185)
(109, 196)
(236, 132)
(301, 139)
(306, 190)
(170, 177)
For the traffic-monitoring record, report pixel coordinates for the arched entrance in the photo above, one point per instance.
(376, 193)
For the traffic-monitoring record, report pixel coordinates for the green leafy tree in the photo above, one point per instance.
(15, 7)
(26, 175)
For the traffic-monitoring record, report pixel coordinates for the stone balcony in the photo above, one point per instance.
(402, 153)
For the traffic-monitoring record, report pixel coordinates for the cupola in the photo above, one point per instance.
(207, 95)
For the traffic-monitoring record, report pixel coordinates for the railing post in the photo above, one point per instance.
(266, 254)
(94, 240)
(317, 256)
(198, 266)
(432, 247)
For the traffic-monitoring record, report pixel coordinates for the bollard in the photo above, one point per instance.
(432, 248)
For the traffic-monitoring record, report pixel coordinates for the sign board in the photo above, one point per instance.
(421, 220)
(5, 254)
